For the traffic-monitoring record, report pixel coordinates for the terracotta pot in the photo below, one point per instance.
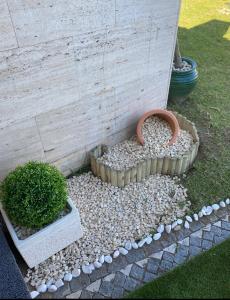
(164, 114)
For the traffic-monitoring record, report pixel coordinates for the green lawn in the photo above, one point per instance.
(204, 35)
(206, 276)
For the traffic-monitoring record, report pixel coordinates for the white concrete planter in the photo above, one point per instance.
(49, 240)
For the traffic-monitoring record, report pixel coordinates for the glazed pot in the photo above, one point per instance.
(183, 83)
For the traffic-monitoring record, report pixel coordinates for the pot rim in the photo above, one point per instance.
(191, 61)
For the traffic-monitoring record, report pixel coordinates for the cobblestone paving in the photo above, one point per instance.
(126, 273)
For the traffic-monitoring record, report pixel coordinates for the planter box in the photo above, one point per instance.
(49, 240)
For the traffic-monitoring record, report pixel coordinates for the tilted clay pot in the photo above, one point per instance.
(164, 114)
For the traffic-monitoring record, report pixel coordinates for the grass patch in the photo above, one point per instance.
(206, 276)
(204, 35)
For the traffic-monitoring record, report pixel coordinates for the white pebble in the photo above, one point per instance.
(227, 201)
(215, 206)
(209, 210)
(195, 216)
(160, 228)
(204, 210)
(189, 219)
(222, 204)
(49, 282)
(68, 277)
(128, 246)
(200, 214)
(59, 283)
(102, 259)
(34, 294)
(174, 224)
(157, 236)
(134, 245)
(116, 254)
(76, 272)
(123, 251)
(86, 269)
(141, 243)
(97, 264)
(179, 221)
(108, 259)
(52, 288)
(186, 225)
(149, 240)
(92, 267)
(42, 288)
(168, 228)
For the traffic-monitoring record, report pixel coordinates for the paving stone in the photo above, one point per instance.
(63, 291)
(149, 277)
(109, 277)
(117, 292)
(130, 284)
(99, 273)
(225, 225)
(165, 265)
(106, 288)
(98, 296)
(194, 226)
(75, 295)
(126, 270)
(168, 256)
(179, 259)
(153, 265)
(137, 272)
(152, 248)
(171, 248)
(117, 264)
(135, 255)
(225, 233)
(213, 218)
(218, 224)
(193, 250)
(195, 241)
(157, 255)
(86, 295)
(142, 263)
(206, 244)
(94, 287)
(119, 279)
(208, 235)
(80, 283)
(168, 239)
(207, 227)
(218, 239)
(216, 230)
(182, 250)
(205, 220)
(185, 242)
(220, 213)
(180, 235)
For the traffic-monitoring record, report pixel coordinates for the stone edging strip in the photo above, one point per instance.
(149, 247)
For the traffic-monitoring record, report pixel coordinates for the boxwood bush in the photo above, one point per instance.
(33, 195)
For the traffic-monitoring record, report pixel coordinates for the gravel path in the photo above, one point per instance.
(110, 216)
(156, 133)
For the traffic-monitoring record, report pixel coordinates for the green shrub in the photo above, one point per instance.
(33, 195)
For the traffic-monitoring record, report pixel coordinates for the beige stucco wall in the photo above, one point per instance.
(77, 73)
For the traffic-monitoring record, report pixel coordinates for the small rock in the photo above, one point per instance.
(92, 267)
(52, 288)
(179, 221)
(200, 214)
(116, 254)
(128, 246)
(177, 228)
(204, 210)
(102, 259)
(34, 294)
(149, 240)
(68, 277)
(76, 272)
(215, 206)
(186, 225)
(222, 204)
(49, 283)
(227, 201)
(189, 219)
(59, 283)
(168, 228)
(157, 236)
(195, 216)
(123, 251)
(174, 224)
(97, 264)
(86, 269)
(108, 259)
(209, 210)
(42, 288)
(160, 228)
(134, 245)
(141, 243)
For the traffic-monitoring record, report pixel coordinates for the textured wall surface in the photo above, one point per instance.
(77, 73)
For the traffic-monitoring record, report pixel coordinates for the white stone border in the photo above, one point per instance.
(88, 269)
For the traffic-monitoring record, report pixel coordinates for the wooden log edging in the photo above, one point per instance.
(149, 166)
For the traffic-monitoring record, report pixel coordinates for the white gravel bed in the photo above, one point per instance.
(110, 216)
(156, 133)
(185, 67)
